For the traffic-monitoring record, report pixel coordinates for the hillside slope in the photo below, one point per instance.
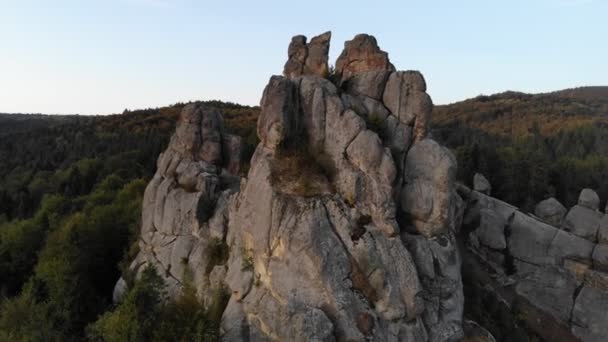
(531, 146)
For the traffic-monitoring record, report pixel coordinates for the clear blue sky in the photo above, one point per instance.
(100, 57)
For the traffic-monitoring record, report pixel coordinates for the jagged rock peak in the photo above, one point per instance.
(308, 59)
(361, 54)
(343, 229)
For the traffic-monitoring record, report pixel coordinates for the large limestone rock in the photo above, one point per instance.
(405, 96)
(308, 59)
(360, 55)
(428, 195)
(589, 198)
(308, 246)
(589, 319)
(551, 211)
(583, 221)
(481, 184)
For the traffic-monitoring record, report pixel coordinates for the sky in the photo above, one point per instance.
(101, 57)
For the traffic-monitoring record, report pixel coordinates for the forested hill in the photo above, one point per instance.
(50, 153)
(531, 146)
(71, 189)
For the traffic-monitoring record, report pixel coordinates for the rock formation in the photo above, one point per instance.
(344, 228)
(550, 271)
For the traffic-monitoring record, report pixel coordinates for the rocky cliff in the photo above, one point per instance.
(344, 227)
(547, 270)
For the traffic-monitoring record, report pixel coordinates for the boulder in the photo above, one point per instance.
(600, 258)
(567, 246)
(550, 290)
(583, 221)
(589, 198)
(589, 319)
(481, 184)
(529, 240)
(551, 211)
(361, 54)
(602, 234)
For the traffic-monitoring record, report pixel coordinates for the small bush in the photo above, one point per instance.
(247, 261)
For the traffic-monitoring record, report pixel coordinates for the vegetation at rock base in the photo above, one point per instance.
(531, 147)
(144, 315)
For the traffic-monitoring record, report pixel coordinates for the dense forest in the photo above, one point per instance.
(71, 190)
(70, 198)
(531, 147)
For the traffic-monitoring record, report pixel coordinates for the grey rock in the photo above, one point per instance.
(589, 319)
(481, 184)
(318, 50)
(369, 83)
(549, 289)
(589, 198)
(491, 229)
(334, 265)
(572, 247)
(428, 192)
(361, 54)
(297, 53)
(600, 258)
(582, 221)
(308, 59)
(602, 234)
(120, 289)
(405, 97)
(551, 211)
(529, 240)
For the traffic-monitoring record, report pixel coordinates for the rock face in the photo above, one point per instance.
(553, 279)
(481, 184)
(344, 228)
(308, 59)
(551, 211)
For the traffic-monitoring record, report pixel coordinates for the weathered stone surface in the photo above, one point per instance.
(549, 289)
(428, 190)
(568, 246)
(529, 240)
(600, 258)
(589, 198)
(404, 95)
(545, 265)
(602, 234)
(481, 184)
(589, 319)
(312, 266)
(361, 54)
(551, 211)
(278, 114)
(582, 221)
(308, 59)
(369, 83)
(297, 53)
(491, 229)
(318, 50)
